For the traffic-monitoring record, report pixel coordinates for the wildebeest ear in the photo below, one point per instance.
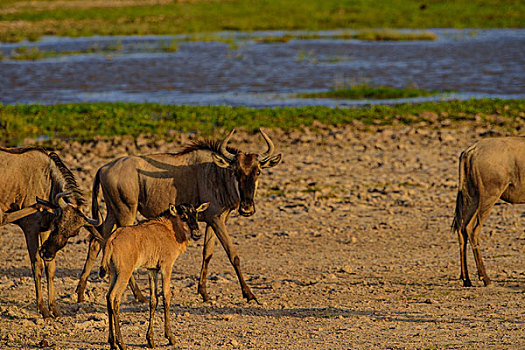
(271, 162)
(203, 207)
(220, 161)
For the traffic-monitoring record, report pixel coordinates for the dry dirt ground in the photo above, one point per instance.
(350, 247)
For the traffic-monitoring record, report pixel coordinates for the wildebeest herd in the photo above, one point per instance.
(40, 195)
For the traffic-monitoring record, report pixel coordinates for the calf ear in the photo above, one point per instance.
(220, 161)
(271, 162)
(203, 207)
(175, 209)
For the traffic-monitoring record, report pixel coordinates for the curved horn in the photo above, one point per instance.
(93, 222)
(58, 201)
(269, 151)
(222, 148)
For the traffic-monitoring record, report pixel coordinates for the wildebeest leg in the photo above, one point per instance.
(220, 230)
(463, 239)
(37, 266)
(50, 267)
(485, 204)
(152, 306)
(166, 297)
(93, 250)
(207, 252)
(50, 274)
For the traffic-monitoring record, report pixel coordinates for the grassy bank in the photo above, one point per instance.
(84, 121)
(21, 19)
(366, 91)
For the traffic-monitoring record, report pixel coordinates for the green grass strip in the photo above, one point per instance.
(21, 19)
(86, 120)
(365, 91)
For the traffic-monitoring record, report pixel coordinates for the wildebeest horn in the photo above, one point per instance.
(58, 201)
(224, 152)
(93, 222)
(269, 152)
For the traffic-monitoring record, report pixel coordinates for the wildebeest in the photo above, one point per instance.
(155, 245)
(204, 171)
(28, 173)
(488, 170)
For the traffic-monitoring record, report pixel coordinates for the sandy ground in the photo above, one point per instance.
(350, 248)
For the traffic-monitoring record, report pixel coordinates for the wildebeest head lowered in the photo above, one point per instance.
(65, 221)
(247, 168)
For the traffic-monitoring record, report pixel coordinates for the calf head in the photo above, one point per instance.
(246, 167)
(65, 221)
(189, 214)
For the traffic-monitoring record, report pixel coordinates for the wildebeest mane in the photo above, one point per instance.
(70, 183)
(206, 145)
(21, 150)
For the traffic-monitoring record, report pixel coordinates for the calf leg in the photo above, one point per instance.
(166, 297)
(207, 252)
(152, 306)
(220, 230)
(109, 302)
(113, 300)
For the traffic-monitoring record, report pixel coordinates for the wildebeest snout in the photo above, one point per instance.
(196, 234)
(247, 209)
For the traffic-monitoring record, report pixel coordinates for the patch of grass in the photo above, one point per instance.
(171, 46)
(365, 91)
(369, 35)
(21, 19)
(392, 35)
(86, 120)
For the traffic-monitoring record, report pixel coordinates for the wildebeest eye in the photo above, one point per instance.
(184, 217)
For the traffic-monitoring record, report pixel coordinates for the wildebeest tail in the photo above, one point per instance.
(464, 197)
(94, 205)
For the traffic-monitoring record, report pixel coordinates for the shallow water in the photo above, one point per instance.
(487, 63)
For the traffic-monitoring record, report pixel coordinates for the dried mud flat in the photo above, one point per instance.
(350, 248)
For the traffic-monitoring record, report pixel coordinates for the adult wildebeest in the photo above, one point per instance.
(154, 244)
(28, 173)
(488, 170)
(204, 171)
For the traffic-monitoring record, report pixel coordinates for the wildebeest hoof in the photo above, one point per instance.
(45, 313)
(171, 339)
(467, 283)
(140, 299)
(55, 312)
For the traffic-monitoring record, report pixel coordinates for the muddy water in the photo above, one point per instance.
(486, 63)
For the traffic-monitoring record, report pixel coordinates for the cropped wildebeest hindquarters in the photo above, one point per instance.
(488, 170)
(28, 173)
(204, 171)
(155, 245)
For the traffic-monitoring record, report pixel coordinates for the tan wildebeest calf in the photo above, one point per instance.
(155, 245)
(488, 170)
